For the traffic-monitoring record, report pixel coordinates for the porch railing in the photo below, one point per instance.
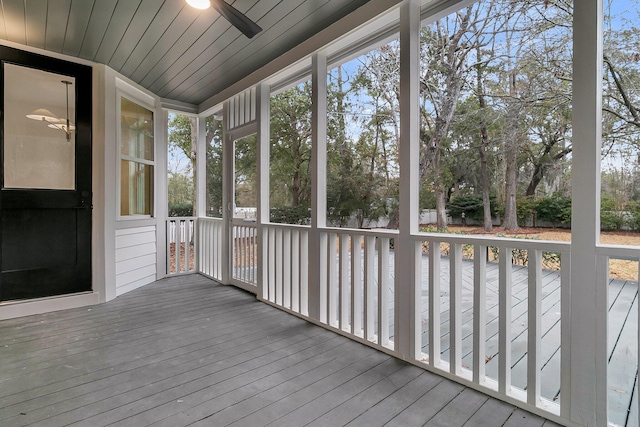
(244, 255)
(360, 285)
(210, 247)
(492, 313)
(622, 309)
(181, 245)
(287, 268)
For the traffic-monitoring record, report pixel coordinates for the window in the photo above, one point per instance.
(39, 129)
(136, 159)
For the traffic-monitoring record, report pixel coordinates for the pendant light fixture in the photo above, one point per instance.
(64, 124)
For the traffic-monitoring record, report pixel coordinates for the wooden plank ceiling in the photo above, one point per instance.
(177, 52)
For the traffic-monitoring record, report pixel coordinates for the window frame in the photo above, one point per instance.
(120, 94)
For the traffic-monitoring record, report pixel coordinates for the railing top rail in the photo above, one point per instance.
(544, 245)
(376, 232)
(209, 218)
(631, 253)
(244, 222)
(181, 218)
(287, 226)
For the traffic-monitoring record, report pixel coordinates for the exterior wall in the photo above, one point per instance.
(126, 254)
(132, 256)
(135, 257)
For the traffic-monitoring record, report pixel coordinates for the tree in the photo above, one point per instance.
(183, 139)
(213, 141)
(291, 146)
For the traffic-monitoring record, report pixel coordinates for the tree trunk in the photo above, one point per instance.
(486, 202)
(511, 159)
(536, 179)
(484, 145)
(440, 193)
(440, 209)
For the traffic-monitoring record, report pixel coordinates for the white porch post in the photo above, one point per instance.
(262, 157)
(317, 241)
(201, 186)
(588, 298)
(227, 196)
(201, 168)
(407, 281)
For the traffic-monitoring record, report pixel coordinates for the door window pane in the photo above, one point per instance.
(39, 125)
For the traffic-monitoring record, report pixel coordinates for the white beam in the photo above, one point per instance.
(317, 240)
(588, 333)
(407, 279)
(262, 156)
(201, 168)
(227, 196)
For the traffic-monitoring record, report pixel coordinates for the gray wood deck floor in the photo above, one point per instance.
(187, 351)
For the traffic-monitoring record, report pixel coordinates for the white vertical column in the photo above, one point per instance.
(534, 327)
(407, 278)
(588, 333)
(505, 300)
(317, 240)
(262, 156)
(161, 208)
(479, 312)
(227, 196)
(434, 304)
(201, 168)
(201, 193)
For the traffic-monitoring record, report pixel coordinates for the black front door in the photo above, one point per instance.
(45, 199)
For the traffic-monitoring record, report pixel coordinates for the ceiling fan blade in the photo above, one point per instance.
(236, 18)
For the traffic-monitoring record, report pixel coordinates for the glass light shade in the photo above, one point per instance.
(62, 125)
(43, 114)
(199, 4)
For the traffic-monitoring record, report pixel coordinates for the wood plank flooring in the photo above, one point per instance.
(187, 351)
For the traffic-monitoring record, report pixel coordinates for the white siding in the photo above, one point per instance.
(135, 258)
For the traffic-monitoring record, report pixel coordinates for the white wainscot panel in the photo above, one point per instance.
(135, 258)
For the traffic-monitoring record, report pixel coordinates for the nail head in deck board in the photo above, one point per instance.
(188, 336)
(520, 418)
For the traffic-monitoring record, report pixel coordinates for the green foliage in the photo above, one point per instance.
(471, 206)
(179, 189)
(214, 166)
(182, 209)
(290, 126)
(555, 209)
(633, 210)
(181, 129)
(611, 219)
(466, 207)
(300, 215)
(525, 208)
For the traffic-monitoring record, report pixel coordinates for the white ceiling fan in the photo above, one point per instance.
(231, 14)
